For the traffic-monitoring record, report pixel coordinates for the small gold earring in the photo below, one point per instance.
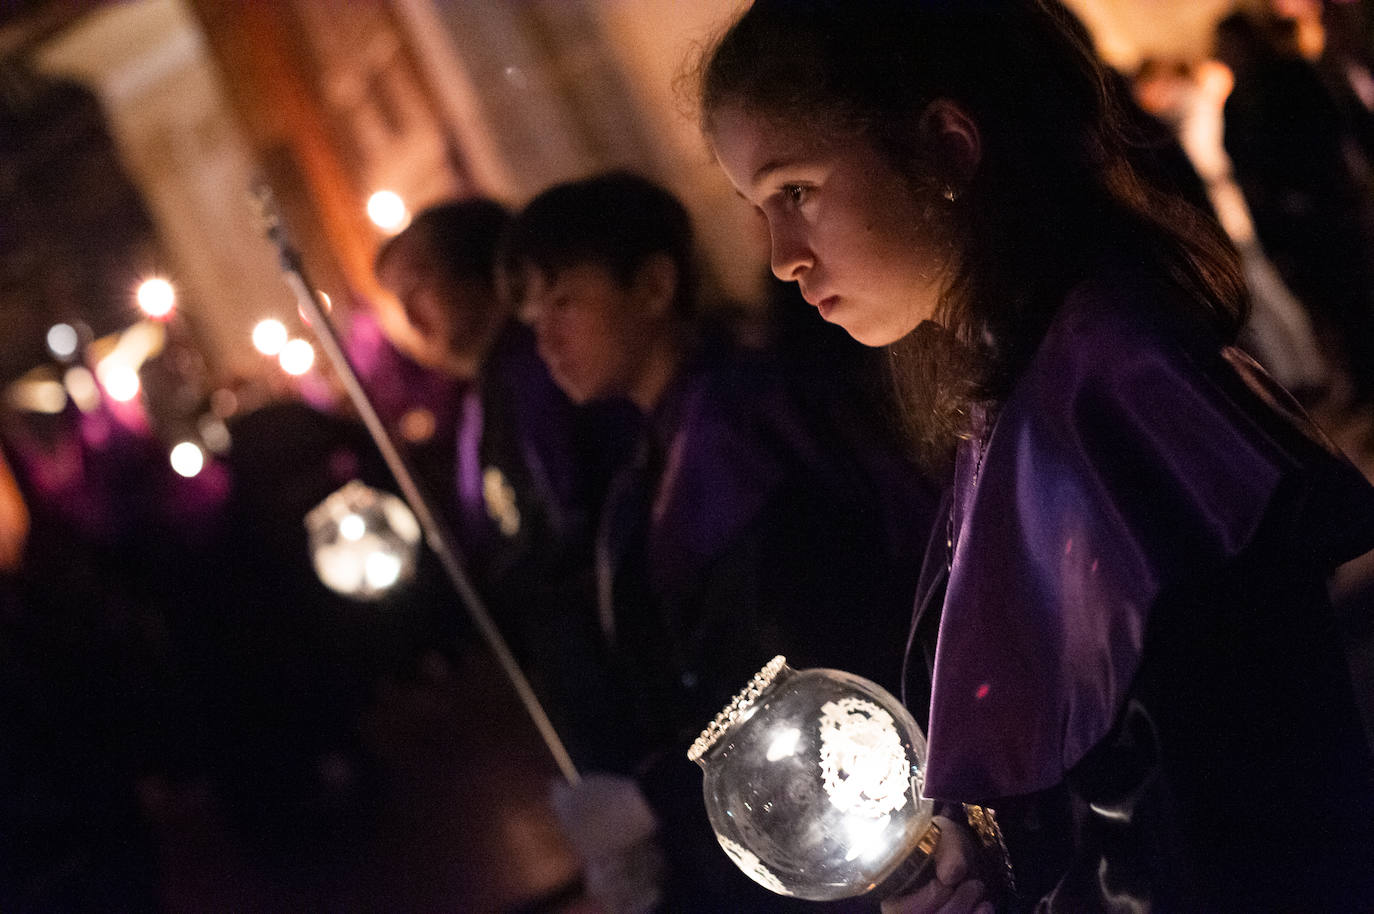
(951, 193)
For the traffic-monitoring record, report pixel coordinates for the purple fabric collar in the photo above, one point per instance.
(718, 472)
(1120, 464)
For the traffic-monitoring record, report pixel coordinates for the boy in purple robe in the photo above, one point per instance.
(520, 467)
(515, 468)
(742, 524)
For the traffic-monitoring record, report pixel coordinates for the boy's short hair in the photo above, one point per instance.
(461, 238)
(616, 220)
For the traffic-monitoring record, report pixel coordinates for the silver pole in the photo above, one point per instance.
(440, 542)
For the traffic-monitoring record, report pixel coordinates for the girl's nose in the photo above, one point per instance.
(791, 255)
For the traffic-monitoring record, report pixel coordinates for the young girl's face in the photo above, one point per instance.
(844, 225)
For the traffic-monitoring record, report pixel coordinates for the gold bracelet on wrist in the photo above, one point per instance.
(983, 821)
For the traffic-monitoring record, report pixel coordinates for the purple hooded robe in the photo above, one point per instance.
(1136, 657)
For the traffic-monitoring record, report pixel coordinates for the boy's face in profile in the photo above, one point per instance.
(593, 334)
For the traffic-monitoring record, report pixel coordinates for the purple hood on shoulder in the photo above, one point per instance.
(1127, 459)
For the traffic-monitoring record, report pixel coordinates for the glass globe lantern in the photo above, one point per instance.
(812, 781)
(363, 542)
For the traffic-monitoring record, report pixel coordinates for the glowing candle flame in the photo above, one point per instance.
(62, 340)
(81, 387)
(156, 297)
(381, 570)
(387, 211)
(269, 336)
(187, 459)
(296, 357)
(120, 382)
(352, 527)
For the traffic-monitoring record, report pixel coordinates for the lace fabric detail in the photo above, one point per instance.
(863, 765)
(753, 867)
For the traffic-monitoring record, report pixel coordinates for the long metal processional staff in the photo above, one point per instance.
(435, 534)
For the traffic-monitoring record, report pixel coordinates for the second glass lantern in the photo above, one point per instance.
(812, 782)
(363, 541)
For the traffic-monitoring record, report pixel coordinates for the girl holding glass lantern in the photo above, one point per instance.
(1133, 656)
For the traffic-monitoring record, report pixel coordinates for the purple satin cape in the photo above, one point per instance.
(729, 433)
(1128, 459)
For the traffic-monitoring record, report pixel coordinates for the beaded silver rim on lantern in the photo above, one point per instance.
(737, 706)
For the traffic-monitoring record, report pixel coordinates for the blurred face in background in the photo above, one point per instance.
(598, 335)
(452, 321)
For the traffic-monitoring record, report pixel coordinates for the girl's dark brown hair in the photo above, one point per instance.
(1054, 192)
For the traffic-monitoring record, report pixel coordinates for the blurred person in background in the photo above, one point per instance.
(744, 524)
(520, 470)
(1337, 36)
(1188, 97)
(512, 486)
(1306, 183)
(108, 555)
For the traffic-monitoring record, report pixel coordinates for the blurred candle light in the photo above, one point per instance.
(387, 211)
(214, 433)
(119, 380)
(137, 343)
(187, 459)
(352, 527)
(156, 297)
(81, 387)
(296, 357)
(38, 396)
(381, 570)
(418, 425)
(269, 336)
(62, 341)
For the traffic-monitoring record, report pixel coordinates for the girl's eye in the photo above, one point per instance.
(795, 194)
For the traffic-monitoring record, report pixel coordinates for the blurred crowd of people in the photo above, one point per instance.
(1274, 131)
(653, 496)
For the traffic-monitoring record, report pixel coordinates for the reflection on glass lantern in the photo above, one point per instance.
(813, 785)
(363, 541)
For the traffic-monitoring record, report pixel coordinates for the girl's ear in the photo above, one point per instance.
(655, 285)
(952, 133)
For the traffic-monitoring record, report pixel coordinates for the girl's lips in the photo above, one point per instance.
(826, 305)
